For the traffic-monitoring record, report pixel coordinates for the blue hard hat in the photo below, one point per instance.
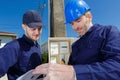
(75, 9)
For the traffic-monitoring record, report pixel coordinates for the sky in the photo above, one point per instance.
(105, 12)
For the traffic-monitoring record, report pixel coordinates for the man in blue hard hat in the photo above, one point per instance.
(95, 56)
(23, 54)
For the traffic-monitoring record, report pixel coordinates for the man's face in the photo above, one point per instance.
(81, 25)
(33, 33)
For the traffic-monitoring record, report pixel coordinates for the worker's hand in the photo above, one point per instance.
(55, 71)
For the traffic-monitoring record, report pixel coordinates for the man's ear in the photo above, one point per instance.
(24, 26)
(89, 16)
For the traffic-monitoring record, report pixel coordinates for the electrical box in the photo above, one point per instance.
(59, 49)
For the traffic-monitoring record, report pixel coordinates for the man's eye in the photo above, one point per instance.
(79, 21)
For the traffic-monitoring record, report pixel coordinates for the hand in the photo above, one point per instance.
(55, 71)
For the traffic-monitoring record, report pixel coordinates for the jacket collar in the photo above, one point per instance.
(29, 41)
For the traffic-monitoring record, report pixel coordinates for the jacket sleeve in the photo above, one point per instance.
(109, 68)
(8, 57)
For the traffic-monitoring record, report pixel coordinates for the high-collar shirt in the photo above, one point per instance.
(96, 55)
(18, 57)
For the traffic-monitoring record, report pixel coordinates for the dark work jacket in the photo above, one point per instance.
(96, 55)
(19, 56)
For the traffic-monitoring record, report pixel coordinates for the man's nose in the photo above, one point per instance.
(37, 31)
(75, 26)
